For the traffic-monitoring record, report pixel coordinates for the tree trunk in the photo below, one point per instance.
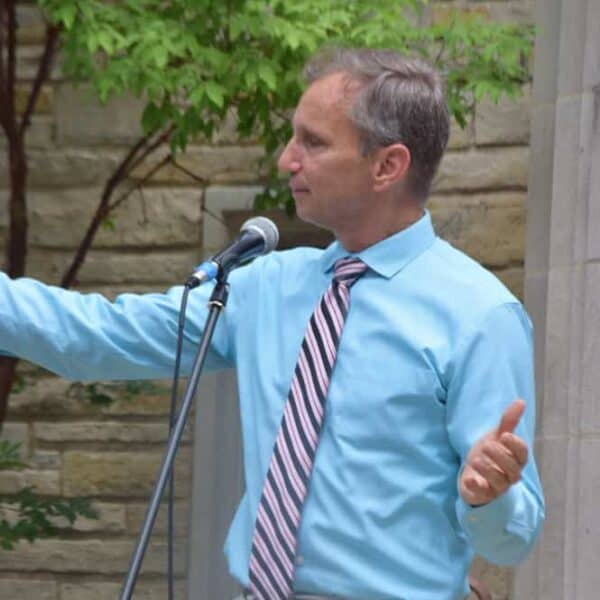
(17, 231)
(8, 367)
(16, 252)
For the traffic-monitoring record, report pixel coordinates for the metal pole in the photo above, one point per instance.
(217, 302)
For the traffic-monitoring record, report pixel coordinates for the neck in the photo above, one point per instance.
(368, 231)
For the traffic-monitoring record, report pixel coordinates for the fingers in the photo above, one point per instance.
(492, 467)
(511, 417)
(475, 489)
(487, 468)
(516, 446)
(500, 465)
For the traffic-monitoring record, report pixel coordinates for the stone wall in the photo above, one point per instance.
(74, 446)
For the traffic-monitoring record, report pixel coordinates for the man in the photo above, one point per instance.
(385, 383)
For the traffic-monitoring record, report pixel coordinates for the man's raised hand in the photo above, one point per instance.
(495, 462)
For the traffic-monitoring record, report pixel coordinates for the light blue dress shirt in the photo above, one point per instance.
(433, 350)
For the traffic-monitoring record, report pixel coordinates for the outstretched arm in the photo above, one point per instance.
(85, 336)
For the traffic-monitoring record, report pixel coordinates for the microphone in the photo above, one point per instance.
(258, 235)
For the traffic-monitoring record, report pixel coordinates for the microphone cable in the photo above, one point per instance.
(172, 421)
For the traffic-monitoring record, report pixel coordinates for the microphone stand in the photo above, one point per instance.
(217, 303)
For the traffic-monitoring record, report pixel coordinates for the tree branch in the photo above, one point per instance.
(136, 155)
(3, 26)
(189, 173)
(42, 74)
(150, 148)
(167, 159)
(11, 22)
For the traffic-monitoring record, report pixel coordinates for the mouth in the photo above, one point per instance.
(299, 190)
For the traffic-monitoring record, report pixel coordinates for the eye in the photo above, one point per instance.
(312, 141)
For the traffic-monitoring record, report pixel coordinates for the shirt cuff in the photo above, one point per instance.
(491, 517)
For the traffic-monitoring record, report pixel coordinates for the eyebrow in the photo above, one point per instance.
(304, 130)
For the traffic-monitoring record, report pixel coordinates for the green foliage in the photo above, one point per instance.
(27, 516)
(194, 60)
(9, 455)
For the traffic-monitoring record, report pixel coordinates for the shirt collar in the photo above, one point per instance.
(391, 255)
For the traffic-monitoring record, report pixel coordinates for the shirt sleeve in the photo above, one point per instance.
(87, 337)
(491, 368)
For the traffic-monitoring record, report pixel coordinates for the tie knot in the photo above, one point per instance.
(348, 270)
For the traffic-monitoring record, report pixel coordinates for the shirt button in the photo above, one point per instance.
(473, 519)
(300, 560)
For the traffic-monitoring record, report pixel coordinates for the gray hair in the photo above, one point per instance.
(400, 100)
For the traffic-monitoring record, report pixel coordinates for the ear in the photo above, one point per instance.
(390, 165)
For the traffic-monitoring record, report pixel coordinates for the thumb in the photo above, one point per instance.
(511, 417)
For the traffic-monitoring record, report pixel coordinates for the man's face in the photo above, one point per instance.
(329, 178)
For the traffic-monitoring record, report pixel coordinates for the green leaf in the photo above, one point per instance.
(10, 457)
(216, 93)
(267, 74)
(153, 118)
(105, 41)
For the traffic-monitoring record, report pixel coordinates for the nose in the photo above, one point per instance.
(289, 160)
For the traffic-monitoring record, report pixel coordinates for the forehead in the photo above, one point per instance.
(325, 102)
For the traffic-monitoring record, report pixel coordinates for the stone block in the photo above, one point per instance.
(507, 122)
(145, 404)
(38, 135)
(100, 267)
(124, 474)
(31, 30)
(57, 397)
(81, 119)
(104, 432)
(16, 433)
(218, 200)
(90, 556)
(489, 169)
(111, 519)
(224, 164)
(181, 518)
(104, 590)
(44, 100)
(49, 397)
(488, 227)
(461, 138)
(44, 482)
(46, 459)
(151, 217)
(28, 59)
(27, 588)
(57, 168)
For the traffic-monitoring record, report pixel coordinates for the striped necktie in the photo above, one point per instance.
(274, 541)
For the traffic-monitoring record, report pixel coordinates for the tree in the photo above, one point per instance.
(196, 61)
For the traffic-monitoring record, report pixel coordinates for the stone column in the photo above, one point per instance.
(562, 293)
